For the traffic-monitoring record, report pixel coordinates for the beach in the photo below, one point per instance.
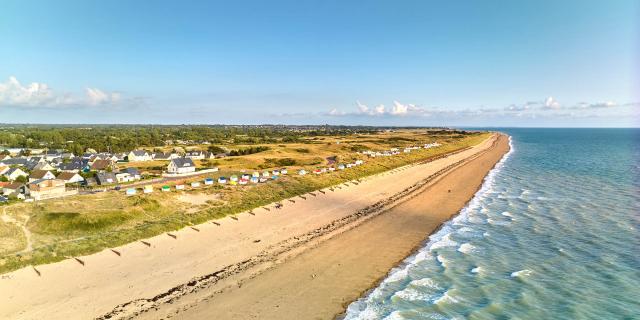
(307, 260)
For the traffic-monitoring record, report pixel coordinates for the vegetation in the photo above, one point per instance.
(85, 224)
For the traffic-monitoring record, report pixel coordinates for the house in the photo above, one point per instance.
(4, 157)
(47, 188)
(194, 155)
(138, 155)
(104, 178)
(41, 175)
(164, 156)
(13, 173)
(3, 169)
(15, 188)
(134, 173)
(70, 177)
(43, 166)
(124, 177)
(102, 165)
(75, 167)
(181, 165)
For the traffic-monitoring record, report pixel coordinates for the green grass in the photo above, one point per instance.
(88, 224)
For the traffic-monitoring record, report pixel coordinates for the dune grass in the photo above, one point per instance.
(86, 224)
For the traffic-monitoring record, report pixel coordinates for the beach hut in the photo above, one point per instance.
(349, 165)
(131, 191)
(263, 180)
(323, 170)
(195, 184)
(179, 186)
(243, 181)
(245, 176)
(147, 189)
(331, 169)
(275, 172)
(254, 180)
(283, 171)
(359, 162)
(274, 177)
(234, 178)
(317, 171)
(341, 166)
(208, 181)
(256, 174)
(166, 189)
(266, 174)
(302, 172)
(233, 182)
(222, 180)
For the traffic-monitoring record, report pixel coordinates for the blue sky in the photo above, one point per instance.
(450, 63)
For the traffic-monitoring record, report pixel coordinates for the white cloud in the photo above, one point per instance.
(399, 108)
(379, 110)
(40, 95)
(336, 112)
(362, 108)
(551, 103)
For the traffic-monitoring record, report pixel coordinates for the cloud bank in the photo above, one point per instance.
(40, 95)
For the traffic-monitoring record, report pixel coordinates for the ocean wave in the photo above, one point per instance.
(447, 297)
(466, 248)
(521, 273)
(425, 283)
(507, 214)
(411, 294)
(445, 241)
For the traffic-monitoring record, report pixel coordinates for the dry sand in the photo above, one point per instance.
(304, 261)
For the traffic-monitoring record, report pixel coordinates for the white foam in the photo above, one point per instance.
(446, 298)
(443, 261)
(394, 316)
(521, 274)
(466, 248)
(444, 242)
(412, 294)
(397, 275)
(425, 283)
(507, 214)
(476, 270)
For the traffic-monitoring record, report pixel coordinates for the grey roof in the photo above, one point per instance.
(132, 171)
(139, 153)
(183, 162)
(102, 177)
(15, 161)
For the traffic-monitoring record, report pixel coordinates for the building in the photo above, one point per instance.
(13, 173)
(104, 178)
(70, 177)
(181, 165)
(102, 165)
(41, 175)
(47, 188)
(164, 156)
(138, 155)
(43, 166)
(16, 188)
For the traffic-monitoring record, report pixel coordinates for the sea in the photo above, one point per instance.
(553, 233)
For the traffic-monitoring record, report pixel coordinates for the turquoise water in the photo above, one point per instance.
(552, 234)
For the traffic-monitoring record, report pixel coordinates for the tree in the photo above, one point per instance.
(4, 179)
(21, 179)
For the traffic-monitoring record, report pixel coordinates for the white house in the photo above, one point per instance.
(70, 177)
(41, 175)
(138, 155)
(13, 174)
(181, 165)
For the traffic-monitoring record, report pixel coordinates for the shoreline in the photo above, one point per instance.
(430, 237)
(219, 305)
(261, 240)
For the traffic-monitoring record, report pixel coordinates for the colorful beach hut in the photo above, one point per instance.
(179, 186)
(147, 189)
(208, 181)
(195, 184)
(222, 180)
(131, 191)
(166, 189)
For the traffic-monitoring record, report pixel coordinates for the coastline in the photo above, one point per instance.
(256, 244)
(300, 289)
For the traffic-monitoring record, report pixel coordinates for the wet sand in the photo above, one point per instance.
(304, 261)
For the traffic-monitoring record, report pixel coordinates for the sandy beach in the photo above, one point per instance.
(306, 260)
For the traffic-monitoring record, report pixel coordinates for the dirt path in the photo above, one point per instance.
(23, 226)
